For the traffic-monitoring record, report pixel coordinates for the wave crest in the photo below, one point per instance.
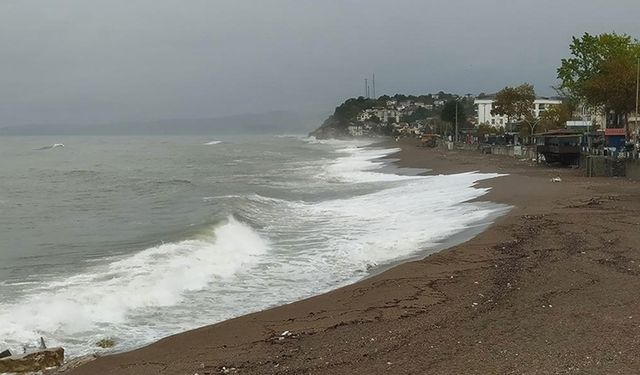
(100, 298)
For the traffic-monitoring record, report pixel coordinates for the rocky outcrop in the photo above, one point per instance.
(106, 343)
(331, 128)
(5, 353)
(32, 362)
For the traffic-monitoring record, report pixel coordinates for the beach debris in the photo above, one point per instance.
(284, 335)
(556, 179)
(5, 354)
(227, 370)
(106, 343)
(33, 362)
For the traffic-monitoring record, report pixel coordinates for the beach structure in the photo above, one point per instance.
(559, 146)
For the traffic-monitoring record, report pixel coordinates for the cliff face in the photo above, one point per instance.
(344, 115)
(330, 128)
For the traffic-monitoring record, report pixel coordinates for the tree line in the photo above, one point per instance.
(600, 75)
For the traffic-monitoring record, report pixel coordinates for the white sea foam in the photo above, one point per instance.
(361, 165)
(339, 142)
(55, 145)
(105, 296)
(211, 143)
(295, 249)
(396, 223)
(353, 234)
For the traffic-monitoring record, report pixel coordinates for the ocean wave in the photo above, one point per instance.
(339, 142)
(352, 219)
(55, 145)
(102, 298)
(361, 165)
(211, 143)
(398, 222)
(291, 136)
(173, 181)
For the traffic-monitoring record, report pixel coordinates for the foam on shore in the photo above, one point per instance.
(278, 251)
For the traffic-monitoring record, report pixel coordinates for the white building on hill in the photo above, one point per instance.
(484, 107)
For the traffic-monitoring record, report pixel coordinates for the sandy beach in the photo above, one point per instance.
(549, 288)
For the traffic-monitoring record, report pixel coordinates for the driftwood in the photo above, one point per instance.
(33, 362)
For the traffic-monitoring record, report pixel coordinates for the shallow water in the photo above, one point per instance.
(136, 238)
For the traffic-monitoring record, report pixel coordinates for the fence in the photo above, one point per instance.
(610, 163)
(596, 162)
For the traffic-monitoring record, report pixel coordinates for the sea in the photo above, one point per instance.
(135, 238)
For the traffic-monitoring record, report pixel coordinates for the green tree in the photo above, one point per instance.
(588, 54)
(419, 114)
(599, 72)
(452, 110)
(556, 117)
(516, 103)
(483, 129)
(348, 110)
(613, 87)
(375, 119)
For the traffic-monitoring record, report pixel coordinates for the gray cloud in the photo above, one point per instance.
(103, 61)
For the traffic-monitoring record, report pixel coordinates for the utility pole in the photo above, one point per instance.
(637, 88)
(374, 86)
(366, 89)
(455, 137)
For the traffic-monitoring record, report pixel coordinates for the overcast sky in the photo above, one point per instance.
(117, 60)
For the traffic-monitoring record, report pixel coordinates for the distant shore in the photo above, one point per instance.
(551, 287)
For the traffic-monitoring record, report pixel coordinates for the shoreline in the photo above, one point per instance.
(434, 314)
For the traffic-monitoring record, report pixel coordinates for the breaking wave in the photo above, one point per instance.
(98, 300)
(269, 251)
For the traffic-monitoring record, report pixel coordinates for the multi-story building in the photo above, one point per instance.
(485, 105)
(385, 115)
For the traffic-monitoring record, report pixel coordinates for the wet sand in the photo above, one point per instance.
(550, 288)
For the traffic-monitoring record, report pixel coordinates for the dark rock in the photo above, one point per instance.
(32, 362)
(5, 354)
(106, 343)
